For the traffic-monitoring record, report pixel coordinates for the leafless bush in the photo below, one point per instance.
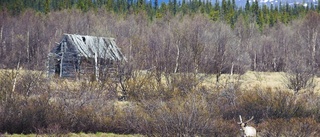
(272, 104)
(140, 86)
(303, 127)
(59, 106)
(183, 83)
(29, 104)
(228, 97)
(84, 105)
(181, 117)
(301, 70)
(222, 128)
(297, 81)
(25, 101)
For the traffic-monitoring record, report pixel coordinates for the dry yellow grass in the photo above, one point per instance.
(317, 83)
(264, 80)
(249, 80)
(252, 79)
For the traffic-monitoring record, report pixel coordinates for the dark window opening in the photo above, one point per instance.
(57, 68)
(84, 39)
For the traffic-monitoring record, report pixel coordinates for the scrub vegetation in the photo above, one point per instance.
(180, 104)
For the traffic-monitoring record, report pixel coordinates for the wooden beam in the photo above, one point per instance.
(61, 59)
(96, 66)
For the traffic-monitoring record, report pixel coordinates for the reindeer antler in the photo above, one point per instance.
(240, 119)
(245, 121)
(249, 120)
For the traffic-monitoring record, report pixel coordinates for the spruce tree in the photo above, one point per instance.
(17, 7)
(156, 4)
(318, 6)
(47, 6)
(184, 7)
(109, 5)
(247, 6)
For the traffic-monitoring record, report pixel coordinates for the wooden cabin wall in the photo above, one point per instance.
(69, 65)
(80, 67)
(68, 58)
(107, 68)
(87, 69)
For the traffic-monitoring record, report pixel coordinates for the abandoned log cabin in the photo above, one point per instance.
(78, 55)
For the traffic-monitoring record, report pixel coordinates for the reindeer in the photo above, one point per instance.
(247, 131)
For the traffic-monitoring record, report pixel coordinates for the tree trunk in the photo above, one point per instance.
(15, 77)
(61, 64)
(96, 66)
(255, 61)
(1, 32)
(231, 71)
(61, 60)
(28, 47)
(314, 42)
(177, 58)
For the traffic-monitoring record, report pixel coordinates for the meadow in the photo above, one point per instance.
(177, 105)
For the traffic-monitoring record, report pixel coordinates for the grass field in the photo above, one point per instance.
(251, 79)
(93, 106)
(248, 79)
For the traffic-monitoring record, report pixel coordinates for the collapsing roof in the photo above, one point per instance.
(91, 47)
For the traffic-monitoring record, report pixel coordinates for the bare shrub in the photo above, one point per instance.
(133, 121)
(311, 101)
(182, 116)
(30, 104)
(52, 130)
(83, 106)
(186, 109)
(147, 85)
(302, 127)
(182, 84)
(301, 70)
(140, 86)
(223, 128)
(7, 86)
(25, 101)
(228, 98)
(297, 81)
(271, 104)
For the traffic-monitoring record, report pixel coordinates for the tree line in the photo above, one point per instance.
(181, 43)
(227, 10)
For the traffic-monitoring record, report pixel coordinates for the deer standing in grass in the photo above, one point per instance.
(248, 131)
